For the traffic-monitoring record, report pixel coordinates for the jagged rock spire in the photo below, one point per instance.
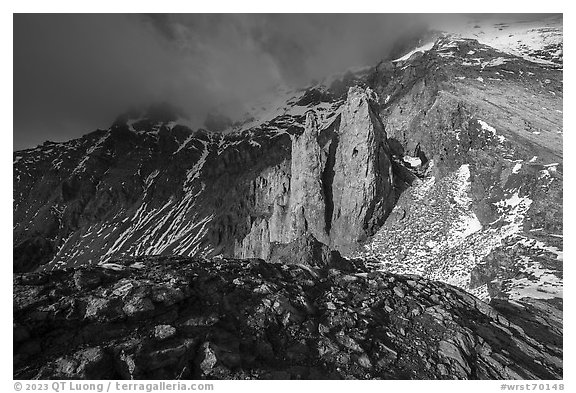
(306, 192)
(362, 186)
(340, 188)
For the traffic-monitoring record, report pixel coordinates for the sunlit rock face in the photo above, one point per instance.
(362, 188)
(341, 182)
(308, 203)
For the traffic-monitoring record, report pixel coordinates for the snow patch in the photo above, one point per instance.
(412, 161)
(538, 40)
(486, 127)
(424, 48)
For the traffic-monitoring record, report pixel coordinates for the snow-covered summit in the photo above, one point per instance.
(538, 40)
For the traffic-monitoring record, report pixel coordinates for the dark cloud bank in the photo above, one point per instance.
(75, 73)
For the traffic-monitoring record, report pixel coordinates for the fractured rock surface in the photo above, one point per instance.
(173, 317)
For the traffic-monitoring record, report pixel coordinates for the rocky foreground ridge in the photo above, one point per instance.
(174, 317)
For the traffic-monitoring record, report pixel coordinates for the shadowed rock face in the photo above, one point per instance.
(162, 317)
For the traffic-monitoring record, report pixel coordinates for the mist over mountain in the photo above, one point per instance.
(74, 72)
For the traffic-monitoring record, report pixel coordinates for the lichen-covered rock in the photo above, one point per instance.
(238, 319)
(163, 332)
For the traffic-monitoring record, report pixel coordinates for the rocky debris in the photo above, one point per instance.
(175, 317)
(308, 251)
(86, 280)
(480, 211)
(88, 363)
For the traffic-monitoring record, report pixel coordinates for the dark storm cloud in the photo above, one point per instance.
(299, 45)
(74, 73)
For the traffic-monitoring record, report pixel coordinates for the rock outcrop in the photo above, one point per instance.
(341, 183)
(307, 199)
(362, 189)
(174, 317)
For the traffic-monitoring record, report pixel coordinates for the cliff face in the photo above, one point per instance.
(131, 192)
(149, 187)
(482, 131)
(363, 179)
(341, 185)
(308, 202)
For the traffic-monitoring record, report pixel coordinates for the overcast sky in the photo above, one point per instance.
(76, 73)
